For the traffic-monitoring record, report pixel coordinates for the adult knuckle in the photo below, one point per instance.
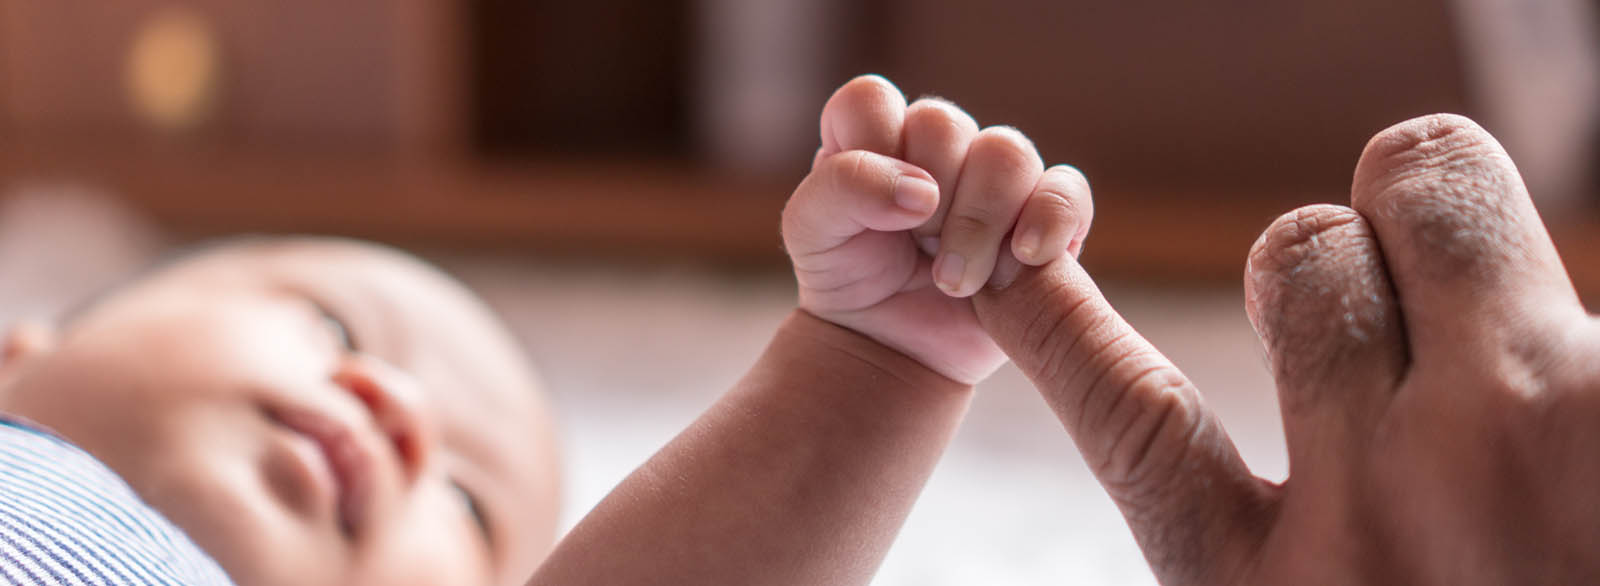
(1419, 153)
(1140, 456)
(1299, 236)
(1446, 181)
(1054, 347)
(1423, 138)
(1520, 369)
(1320, 296)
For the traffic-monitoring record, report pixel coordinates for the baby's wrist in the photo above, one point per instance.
(959, 354)
(847, 352)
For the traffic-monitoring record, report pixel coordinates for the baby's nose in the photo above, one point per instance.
(397, 404)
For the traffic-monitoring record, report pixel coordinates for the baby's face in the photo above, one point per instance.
(312, 412)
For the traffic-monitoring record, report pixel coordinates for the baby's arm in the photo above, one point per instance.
(800, 475)
(803, 473)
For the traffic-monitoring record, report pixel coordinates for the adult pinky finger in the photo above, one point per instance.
(1055, 219)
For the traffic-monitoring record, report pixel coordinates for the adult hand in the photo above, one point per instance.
(1436, 371)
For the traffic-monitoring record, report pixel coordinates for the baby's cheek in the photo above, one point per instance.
(214, 486)
(430, 542)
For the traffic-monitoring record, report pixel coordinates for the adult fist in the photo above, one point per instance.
(1437, 376)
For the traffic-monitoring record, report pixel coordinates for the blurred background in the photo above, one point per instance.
(608, 173)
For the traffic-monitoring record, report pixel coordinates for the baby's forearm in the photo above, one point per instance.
(802, 474)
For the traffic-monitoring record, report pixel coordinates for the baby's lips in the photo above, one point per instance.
(354, 470)
(350, 461)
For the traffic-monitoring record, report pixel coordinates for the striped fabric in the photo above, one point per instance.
(67, 519)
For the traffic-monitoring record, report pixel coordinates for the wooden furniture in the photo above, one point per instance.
(669, 128)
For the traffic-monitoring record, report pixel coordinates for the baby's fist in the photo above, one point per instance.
(895, 187)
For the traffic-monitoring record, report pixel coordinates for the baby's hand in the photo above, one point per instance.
(908, 211)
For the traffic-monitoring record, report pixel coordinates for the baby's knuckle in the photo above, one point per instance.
(849, 169)
(940, 118)
(786, 218)
(971, 221)
(802, 197)
(1005, 149)
(865, 89)
(1058, 207)
(1069, 176)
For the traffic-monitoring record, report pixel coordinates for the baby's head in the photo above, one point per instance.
(309, 411)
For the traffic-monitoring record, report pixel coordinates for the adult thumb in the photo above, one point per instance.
(1194, 507)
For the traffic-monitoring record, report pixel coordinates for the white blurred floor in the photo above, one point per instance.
(631, 355)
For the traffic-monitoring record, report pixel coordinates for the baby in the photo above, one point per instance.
(315, 411)
(308, 412)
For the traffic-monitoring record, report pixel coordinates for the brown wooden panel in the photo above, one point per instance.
(299, 74)
(1197, 123)
(609, 76)
(1242, 95)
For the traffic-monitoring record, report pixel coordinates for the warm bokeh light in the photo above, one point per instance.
(172, 70)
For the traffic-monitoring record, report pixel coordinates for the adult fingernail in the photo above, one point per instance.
(915, 194)
(949, 272)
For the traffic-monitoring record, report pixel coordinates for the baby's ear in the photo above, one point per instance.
(25, 340)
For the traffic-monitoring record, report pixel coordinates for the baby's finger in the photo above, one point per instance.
(1055, 219)
(1002, 168)
(851, 192)
(867, 113)
(937, 135)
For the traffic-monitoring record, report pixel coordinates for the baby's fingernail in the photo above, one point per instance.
(929, 245)
(915, 194)
(949, 271)
(1006, 270)
(1028, 244)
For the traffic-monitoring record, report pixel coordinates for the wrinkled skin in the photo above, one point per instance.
(1436, 375)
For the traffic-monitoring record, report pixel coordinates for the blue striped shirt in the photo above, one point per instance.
(67, 519)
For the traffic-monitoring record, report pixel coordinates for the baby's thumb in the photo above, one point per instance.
(1157, 449)
(852, 192)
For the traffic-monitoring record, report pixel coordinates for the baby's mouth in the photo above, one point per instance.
(350, 463)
